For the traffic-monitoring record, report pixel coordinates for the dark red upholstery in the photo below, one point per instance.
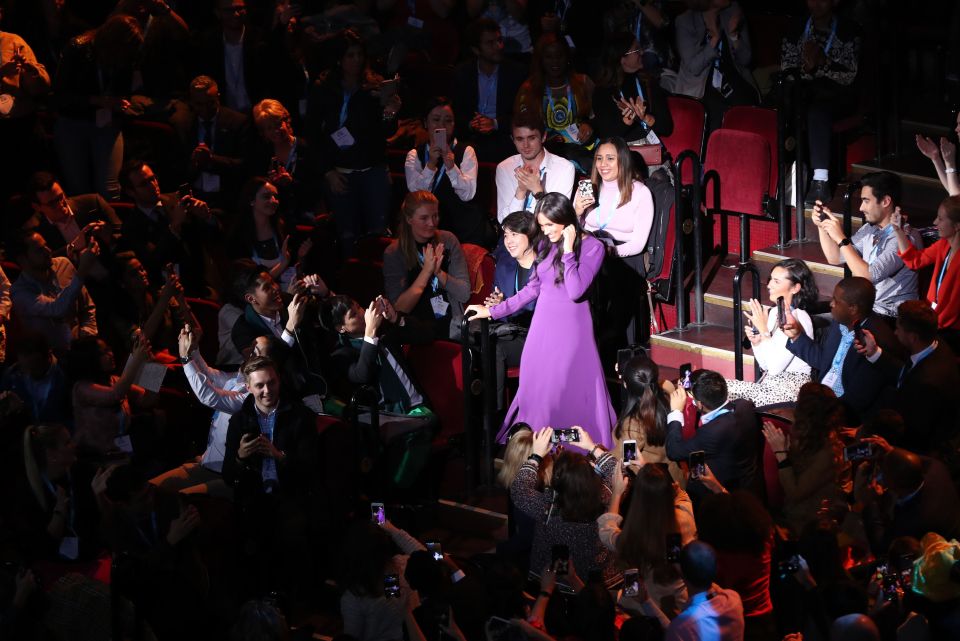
(363, 281)
(370, 248)
(771, 474)
(123, 208)
(206, 313)
(668, 248)
(758, 120)
(689, 120)
(487, 267)
(742, 160)
(438, 367)
(486, 195)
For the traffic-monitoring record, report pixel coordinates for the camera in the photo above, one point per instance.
(378, 515)
(858, 452)
(391, 586)
(686, 374)
(629, 451)
(698, 465)
(673, 547)
(433, 547)
(568, 435)
(560, 559)
(781, 312)
(585, 188)
(631, 582)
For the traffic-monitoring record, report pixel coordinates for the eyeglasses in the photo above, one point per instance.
(631, 52)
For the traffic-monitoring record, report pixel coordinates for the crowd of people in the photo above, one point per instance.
(208, 428)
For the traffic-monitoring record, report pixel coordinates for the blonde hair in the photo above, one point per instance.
(408, 245)
(517, 452)
(37, 439)
(269, 114)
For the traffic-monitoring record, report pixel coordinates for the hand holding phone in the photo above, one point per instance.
(896, 219)
(378, 515)
(697, 464)
(674, 543)
(781, 312)
(629, 451)
(560, 559)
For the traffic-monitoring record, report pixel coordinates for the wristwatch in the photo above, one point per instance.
(844, 242)
(184, 360)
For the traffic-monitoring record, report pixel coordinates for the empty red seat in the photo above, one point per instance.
(689, 120)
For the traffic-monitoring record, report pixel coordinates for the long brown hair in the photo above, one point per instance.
(407, 243)
(626, 174)
(818, 416)
(578, 489)
(650, 518)
(645, 402)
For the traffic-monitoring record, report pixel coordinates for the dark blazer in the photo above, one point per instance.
(231, 145)
(295, 433)
(862, 383)
(155, 245)
(925, 397)
(608, 121)
(86, 208)
(731, 446)
(208, 60)
(505, 278)
(466, 95)
(250, 326)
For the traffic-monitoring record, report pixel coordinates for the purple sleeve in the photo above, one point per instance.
(518, 301)
(578, 275)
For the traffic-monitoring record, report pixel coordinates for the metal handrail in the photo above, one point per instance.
(743, 268)
(488, 389)
(693, 191)
(848, 218)
(466, 373)
(783, 219)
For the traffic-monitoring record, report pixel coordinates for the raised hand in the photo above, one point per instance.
(927, 147)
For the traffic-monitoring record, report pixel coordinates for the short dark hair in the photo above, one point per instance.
(436, 101)
(40, 181)
(917, 317)
(132, 165)
(883, 184)
(529, 118)
(709, 388)
(19, 243)
(698, 563)
(246, 278)
(902, 470)
(333, 310)
(859, 291)
(477, 28)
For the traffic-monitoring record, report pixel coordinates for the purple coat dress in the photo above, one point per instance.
(561, 379)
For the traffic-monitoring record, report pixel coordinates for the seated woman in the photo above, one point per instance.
(567, 510)
(784, 374)
(448, 170)
(288, 165)
(621, 215)
(103, 403)
(259, 233)
(812, 470)
(563, 98)
(628, 103)
(944, 291)
(644, 416)
(659, 510)
(424, 270)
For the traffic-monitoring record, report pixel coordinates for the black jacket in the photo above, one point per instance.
(608, 120)
(86, 208)
(466, 95)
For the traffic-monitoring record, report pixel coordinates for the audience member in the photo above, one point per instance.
(234, 54)
(944, 159)
(712, 612)
(290, 166)
(62, 220)
(6, 305)
(448, 169)
(39, 382)
(648, 24)
(872, 253)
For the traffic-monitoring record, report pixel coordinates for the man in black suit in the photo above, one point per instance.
(841, 368)
(165, 229)
(215, 140)
(923, 385)
(729, 434)
(483, 93)
(60, 219)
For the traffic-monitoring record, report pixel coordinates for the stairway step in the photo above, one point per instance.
(705, 346)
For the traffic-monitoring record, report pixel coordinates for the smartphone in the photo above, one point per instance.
(560, 559)
(625, 355)
(896, 219)
(673, 547)
(858, 452)
(275, 164)
(631, 582)
(781, 312)
(440, 138)
(433, 547)
(889, 580)
(585, 188)
(568, 435)
(391, 586)
(184, 191)
(698, 464)
(629, 451)
(858, 334)
(377, 514)
(686, 372)
(788, 568)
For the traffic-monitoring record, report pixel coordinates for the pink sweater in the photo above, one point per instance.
(629, 224)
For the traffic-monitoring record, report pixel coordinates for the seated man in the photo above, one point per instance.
(38, 381)
(924, 385)
(855, 382)
(728, 435)
(49, 296)
(166, 229)
(872, 252)
(60, 219)
(525, 178)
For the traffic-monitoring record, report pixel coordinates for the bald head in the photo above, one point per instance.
(902, 471)
(854, 627)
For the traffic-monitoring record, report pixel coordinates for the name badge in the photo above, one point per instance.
(70, 548)
(570, 42)
(830, 379)
(343, 138)
(302, 107)
(439, 306)
(933, 306)
(124, 444)
(416, 23)
(574, 132)
(103, 117)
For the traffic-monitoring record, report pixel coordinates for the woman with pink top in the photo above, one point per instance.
(621, 215)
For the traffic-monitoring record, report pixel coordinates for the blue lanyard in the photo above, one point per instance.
(291, 163)
(639, 90)
(529, 199)
(53, 490)
(346, 103)
(441, 170)
(636, 29)
(872, 256)
(613, 211)
(943, 272)
(833, 34)
(434, 282)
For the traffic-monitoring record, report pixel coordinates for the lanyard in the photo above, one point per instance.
(346, 103)
(833, 34)
(943, 272)
(434, 282)
(560, 113)
(709, 416)
(529, 199)
(562, 7)
(636, 28)
(872, 255)
(53, 490)
(639, 90)
(603, 223)
(291, 163)
(441, 170)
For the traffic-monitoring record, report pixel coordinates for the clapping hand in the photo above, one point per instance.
(927, 147)
(778, 441)
(438, 259)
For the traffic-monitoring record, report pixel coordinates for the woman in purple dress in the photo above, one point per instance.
(561, 380)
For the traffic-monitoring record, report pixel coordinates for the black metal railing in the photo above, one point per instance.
(485, 388)
(848, 218)
(690, 194)
(738, 336)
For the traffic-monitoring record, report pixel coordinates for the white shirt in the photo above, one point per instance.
(772, 354)
(415, 398)
(69, 229)
(236, 93)
(463, 179)
(558, 175)
(275, 325)
(223, 392)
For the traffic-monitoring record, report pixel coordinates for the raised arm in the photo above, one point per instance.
(578, 275)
